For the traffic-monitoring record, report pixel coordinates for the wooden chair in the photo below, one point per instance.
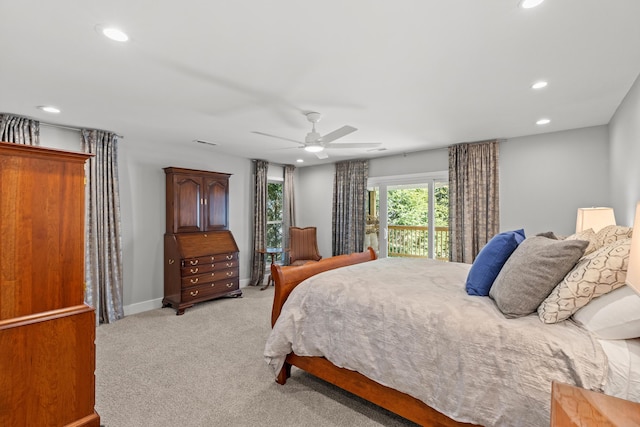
(303, 245)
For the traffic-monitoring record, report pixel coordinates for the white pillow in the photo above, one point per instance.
(612, 316)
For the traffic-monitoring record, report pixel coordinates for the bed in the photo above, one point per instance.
(404, 334)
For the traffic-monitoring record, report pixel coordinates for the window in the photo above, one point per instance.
(274, 215)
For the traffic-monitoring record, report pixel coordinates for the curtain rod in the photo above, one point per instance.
(70, 128)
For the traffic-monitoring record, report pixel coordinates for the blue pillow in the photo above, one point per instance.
(490, 260)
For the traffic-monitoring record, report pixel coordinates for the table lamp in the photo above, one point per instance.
(594, 218)
(633, 270)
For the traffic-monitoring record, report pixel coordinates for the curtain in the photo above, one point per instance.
(259, 222)
(19, 130)
(474, 209)
(288, 214)
(349, 199)
(103, 246)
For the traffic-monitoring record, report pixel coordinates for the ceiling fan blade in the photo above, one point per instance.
(353, 145)
(278, 137)
(338, 133)
(322, 154)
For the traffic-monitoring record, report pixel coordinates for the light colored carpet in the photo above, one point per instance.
(205, 368)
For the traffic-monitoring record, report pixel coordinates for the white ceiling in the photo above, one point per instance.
(411, 74)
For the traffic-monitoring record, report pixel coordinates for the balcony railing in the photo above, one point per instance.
(413, 241)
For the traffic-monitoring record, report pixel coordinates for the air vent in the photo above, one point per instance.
(202, 141)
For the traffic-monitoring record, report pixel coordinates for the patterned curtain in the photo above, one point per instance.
(103, 246)
(349, 199)
(288, 214)
(19, 130)
(259, 222)
(474, 208)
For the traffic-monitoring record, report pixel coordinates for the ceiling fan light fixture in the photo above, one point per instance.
(314, 148)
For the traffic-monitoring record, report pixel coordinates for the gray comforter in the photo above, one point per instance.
(409, 324)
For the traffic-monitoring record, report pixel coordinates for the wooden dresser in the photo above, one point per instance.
(47, 333)
(200, 253)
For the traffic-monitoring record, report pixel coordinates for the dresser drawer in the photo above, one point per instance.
(209, 259)
(201, 268)
(210, 289)
(209, 277)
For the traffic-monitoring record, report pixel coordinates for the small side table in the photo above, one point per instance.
(576, 407)
(272, 252)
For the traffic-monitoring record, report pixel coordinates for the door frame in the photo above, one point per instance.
(383, 182)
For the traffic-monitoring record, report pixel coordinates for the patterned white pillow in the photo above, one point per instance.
(595, 274)
(611, 234)
(590, 236)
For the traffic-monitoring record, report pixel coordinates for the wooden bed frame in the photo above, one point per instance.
(286, 279)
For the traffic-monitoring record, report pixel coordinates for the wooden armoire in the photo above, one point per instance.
(47, 332)
(200, 253)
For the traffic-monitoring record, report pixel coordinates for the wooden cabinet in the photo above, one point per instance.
(576, 407)
(201, 255)
(196, 200)
(47, 333)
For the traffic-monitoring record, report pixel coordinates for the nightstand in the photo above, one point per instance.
(576, 407)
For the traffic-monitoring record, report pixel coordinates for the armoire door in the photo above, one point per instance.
(215, 207)
(188, 201)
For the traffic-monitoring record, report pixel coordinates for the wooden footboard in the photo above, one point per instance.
(286, 279)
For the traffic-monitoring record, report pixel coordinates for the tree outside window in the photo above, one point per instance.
(274, 215)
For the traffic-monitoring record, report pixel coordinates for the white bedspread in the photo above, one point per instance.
(409, 324)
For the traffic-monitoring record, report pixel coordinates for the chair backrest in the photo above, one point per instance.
(303, 245)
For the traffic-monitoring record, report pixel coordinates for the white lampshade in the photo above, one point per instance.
(595, 218)
(633, 269)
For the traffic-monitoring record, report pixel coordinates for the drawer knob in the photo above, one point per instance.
(194, 293)
(213, 284)
(193, 270)
(194, 280)
(193, 262)
(229, 256)
(213, 274)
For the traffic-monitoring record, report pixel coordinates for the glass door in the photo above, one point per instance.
(409, 216)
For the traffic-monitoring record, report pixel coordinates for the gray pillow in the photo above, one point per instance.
(532, 271)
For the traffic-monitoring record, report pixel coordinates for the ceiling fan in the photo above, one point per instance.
(316, 143)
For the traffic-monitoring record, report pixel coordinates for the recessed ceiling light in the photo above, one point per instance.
(528, 4)
(115, 34)
(539, 85)
(300, 161)
(49, 109)
(543, 122)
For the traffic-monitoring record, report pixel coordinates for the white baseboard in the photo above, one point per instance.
(139, 307)
(152, 304)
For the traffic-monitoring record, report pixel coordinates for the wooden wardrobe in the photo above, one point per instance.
(201, 255)
(47, 332)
